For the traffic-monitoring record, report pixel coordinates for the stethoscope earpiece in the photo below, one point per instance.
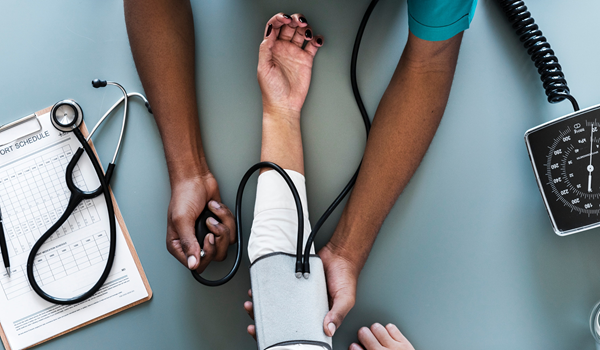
(67, 115)
(99, 83)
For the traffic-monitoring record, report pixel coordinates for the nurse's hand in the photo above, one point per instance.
(188, 199)
(341, 274)
(284, 67)
(379, 337)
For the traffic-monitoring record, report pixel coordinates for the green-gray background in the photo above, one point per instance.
(467, 258)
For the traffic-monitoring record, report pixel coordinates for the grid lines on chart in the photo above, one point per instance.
(56, 264)
(34, 194)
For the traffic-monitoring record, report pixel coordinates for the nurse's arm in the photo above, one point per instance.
(403, 127)
(161, 35)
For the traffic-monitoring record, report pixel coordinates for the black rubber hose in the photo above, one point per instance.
(539, 49)
(238, 223)
(367, 122)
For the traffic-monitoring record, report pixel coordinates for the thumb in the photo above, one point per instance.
(342, 304)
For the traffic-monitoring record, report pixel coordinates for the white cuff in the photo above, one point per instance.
(275, 224)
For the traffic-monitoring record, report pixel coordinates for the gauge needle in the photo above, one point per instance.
(590, 167)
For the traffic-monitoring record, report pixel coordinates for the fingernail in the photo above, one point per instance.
(302, 20)
(212, 221)
(215, 204)
(308, 34)
(331, 328)
(191, 261)
(211, 238)
(269, 28)
(286, 16)
(320, 41)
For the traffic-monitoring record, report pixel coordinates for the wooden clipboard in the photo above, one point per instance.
(132, 250)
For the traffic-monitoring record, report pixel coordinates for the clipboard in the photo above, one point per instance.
(21, 129)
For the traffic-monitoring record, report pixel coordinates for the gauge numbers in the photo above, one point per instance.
(565, 155)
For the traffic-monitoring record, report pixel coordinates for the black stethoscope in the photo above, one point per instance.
(67, 116)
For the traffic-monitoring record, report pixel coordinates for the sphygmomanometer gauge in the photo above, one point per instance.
(565, 155)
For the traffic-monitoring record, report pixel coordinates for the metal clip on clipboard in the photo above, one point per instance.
(20, 128)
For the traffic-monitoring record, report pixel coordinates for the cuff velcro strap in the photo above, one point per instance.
(288, 310)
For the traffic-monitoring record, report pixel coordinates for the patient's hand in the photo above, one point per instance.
(284, 67)
(381, 338)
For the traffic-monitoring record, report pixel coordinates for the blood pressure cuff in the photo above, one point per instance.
(288, 310)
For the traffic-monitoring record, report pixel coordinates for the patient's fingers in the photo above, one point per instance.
(367, 338)
(313, 46)
(275, 23)
(383, 336)
(270, 37)
(395, 333)
(287, 31)
(302, 34)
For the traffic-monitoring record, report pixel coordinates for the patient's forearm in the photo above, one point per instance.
(282, 141)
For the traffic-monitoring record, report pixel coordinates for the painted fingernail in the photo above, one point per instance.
(319, 41)
(191, 261)
(211, 238)
(215, 204)
(286, 16)
(269, 29)
(308, 34)
(302, 20)
(331, 328)
(213, 221)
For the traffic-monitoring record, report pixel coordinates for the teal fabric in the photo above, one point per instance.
(437, 20)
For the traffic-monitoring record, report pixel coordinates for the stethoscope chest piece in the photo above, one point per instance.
(66, 115)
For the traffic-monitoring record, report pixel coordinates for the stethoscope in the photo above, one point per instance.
(67, 116)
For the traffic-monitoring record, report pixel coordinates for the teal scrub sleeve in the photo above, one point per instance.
(437, 20)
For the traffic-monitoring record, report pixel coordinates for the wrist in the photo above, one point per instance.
(280, 113)
(351, 243)
(187, 168)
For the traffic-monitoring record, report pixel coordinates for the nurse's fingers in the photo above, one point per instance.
(355, 346)
(181, 238)
(288, 30)
(302, 34)
(249, 307)
(220, 237)
(226, 217)
(313, 46)
(252, 331)
(174, 246)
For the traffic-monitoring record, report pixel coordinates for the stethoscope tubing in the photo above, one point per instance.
(76, 197)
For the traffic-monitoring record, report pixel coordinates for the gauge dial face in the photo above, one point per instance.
(565, 155)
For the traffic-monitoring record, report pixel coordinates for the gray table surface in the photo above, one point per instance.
(467, 258)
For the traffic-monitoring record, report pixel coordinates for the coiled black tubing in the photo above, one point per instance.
(546, 62)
